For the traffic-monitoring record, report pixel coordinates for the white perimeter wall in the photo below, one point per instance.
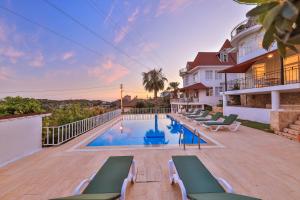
(254, 114)
(19, 137)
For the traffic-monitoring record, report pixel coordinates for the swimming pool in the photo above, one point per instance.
(152, 131)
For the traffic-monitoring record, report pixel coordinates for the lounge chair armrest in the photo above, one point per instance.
(82, 183)
(226, 185)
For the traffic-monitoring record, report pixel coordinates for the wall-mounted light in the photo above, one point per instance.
(270, 56)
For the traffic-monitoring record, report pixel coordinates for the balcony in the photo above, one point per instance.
(243, 27)
(183, 71)
(290, 76)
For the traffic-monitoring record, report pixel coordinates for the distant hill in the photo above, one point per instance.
(54, 104)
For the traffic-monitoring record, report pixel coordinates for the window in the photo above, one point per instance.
(195, 77)
(223, 57)
(209, 91)
(218, 90)
(218, 76)
(208, 75)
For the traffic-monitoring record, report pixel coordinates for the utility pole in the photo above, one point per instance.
(121, 90)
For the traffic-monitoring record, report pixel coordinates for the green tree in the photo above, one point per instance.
(154, 81)
(18, 105)
(281, 21)
(174, 86)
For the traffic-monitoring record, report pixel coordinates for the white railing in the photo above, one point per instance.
(147, 111)
(143, 116)
(56, 135)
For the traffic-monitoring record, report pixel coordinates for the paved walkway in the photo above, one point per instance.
(254, 162)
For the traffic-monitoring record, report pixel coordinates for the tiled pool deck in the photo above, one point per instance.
(254, 162)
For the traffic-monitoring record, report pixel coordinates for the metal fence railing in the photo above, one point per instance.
(290, 75)
(147, 111)
(57, 135)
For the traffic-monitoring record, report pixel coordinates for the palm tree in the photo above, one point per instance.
(154, 80)
(174, 86)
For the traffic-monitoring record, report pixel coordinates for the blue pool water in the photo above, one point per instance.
(145, 132)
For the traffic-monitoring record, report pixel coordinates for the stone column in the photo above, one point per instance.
(275, 99)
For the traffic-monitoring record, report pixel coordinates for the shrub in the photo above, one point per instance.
(18, 105)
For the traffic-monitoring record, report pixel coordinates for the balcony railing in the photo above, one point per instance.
(183, 71)
(147, 111)
(185, 100)
(290, 76)
(241, 27)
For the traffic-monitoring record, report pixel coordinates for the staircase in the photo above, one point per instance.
(292, 132)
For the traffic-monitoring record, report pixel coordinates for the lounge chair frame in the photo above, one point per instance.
(232, 127)
(130, 178)
(174, 178)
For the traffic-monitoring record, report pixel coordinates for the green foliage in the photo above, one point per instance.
(140, 104)
(19, 106)
(70, 113)
(154, 81)
(280, 20)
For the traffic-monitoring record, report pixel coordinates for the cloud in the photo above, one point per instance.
(11, 53)
(133, 16)
(148, 46)
(5, 73)
(123, 31)
(67, 55)
(110, 12)
(171, 6)
(38, 60)
(3, 36)
(109, 71)
(120, 35)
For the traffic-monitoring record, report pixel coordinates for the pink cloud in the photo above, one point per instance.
(38, 60)
(171, 6)
(123, 31)
(11, 53)
(134, 15)
(110, 12)
(121, 34)
(5, 73)
(2, 33)
(149, 46)
(109, 71)
(67, 55)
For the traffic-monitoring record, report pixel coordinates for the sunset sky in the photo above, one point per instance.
(85, 48)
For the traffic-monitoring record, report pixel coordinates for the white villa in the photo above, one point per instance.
(201, 80)
(269, 90)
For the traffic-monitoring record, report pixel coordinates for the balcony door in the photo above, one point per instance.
(258, 72)
(291, 69)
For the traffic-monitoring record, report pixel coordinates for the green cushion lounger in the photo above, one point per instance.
(109, 182)
(196, 112)
(214, 117)
(197, 183)
(203, 114)
(230, 122)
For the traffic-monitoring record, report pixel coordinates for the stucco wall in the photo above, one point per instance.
(19, 137)
(253, 114)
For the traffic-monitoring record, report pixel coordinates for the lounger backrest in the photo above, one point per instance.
(110, 177)
(216, 116)
(230, 119)
(204, 113)
(195, 176)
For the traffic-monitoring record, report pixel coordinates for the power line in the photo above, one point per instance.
(93, 32)
(115, 24)
(50, 30)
